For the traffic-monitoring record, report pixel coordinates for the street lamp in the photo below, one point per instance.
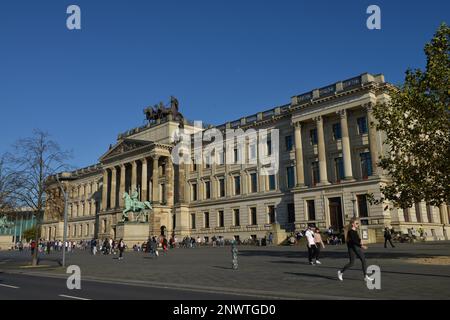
(65, 221)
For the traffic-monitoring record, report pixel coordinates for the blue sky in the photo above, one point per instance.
(221, 59)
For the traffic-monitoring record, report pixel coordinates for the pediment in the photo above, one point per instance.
(124, 146)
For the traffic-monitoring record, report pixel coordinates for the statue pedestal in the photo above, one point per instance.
(132, 232)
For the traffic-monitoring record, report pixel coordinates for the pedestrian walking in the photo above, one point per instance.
(121, 248)
(388, 237)
(319, 244)
(311, 244)
(355, 248)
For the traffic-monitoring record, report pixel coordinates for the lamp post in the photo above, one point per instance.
(65, 221)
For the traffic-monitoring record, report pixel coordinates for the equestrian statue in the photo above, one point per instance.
(133, 205)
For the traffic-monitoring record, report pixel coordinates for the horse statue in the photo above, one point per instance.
(132, 204)
(4, 223)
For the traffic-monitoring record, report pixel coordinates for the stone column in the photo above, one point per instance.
(372, 139)
(112, 204)
(133, 176)
(105, 189)
(122, 185)
(169, 182)
(144, 183)
(346, 154)
(321, 151)
(300, 173)
(155, 180)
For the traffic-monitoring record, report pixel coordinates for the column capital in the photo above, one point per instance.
(368, 106)
(144, 160)
(297, 124)
(342, 113)
(318, 119)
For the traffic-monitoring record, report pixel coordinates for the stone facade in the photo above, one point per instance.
(327, 156)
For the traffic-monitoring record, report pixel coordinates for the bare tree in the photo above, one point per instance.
(35, 160)
(8, 183)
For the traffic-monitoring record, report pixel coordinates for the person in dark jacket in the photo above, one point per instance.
(355, 248)
(388, 237)
(121, 248)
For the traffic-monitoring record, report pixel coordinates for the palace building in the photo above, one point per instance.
(327, 168)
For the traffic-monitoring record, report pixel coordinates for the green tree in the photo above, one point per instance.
(417, 125)
(29, 234)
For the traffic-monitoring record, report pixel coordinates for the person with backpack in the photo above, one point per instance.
(355, 248)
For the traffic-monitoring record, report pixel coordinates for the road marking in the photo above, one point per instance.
(71, 297)
(8, 286)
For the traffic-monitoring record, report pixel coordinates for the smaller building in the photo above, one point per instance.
(19, 221)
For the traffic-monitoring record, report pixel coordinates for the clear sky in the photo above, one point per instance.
(221, 59)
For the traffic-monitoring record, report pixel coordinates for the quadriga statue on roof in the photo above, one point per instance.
(160, 111)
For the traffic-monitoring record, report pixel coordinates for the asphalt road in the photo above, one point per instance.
(25, 287)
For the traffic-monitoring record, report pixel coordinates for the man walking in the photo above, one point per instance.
(387, 237)
(311, 244)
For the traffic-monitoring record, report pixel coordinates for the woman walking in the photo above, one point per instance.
(121, 248)
(355, 248)
(319, 243)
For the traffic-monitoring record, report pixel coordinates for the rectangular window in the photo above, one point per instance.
(193, 226)
(253, 217)
(194, 192)
(339, 169)
(406, 214)
(236, 155)
(311, 210)
(208, 161)
(291, 212)
(289, 143)
(194, 165)
(337, 134)
(430, 213)
(418, 213)
(222, 187)
(252, 151)
(237, 221)
(220, 157)
(362, 205)
(237, 185)
(290, 177)
(366, 165)
(254, 182)
(271, 214)
(313, 136)
(315, 172)
(362, 125)
(206, 220)
(207, 189)
(272, 184)
(269, 144)
(163, 193)
(221, 219)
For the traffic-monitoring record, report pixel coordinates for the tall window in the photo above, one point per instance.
(311, 210)
(362, 125)
(236, 155)
(362, 205)
(313, 136)
(207, 161)
(237, 185)
(206, 220)
(269, 144)
(337, 134)
(221, 219)
(194, 165)
(289, 143)
(430, 213)
(315, 172)
(272, 184)
(174, 221)
(193, 226)
(222, 187)
(291, 212)
(208, 189)
(254, 182)
(163, 193)
(252, 151)
(418, 213)
(253, 218)
(194, 192)
(406, 214)
(220, 157)
(339, 169)
(290, 177)
(366, 165)
(271, 214)
(237, 221)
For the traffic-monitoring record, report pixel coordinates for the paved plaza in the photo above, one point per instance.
(409, 271)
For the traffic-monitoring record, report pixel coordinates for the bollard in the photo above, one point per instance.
(234, 255)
